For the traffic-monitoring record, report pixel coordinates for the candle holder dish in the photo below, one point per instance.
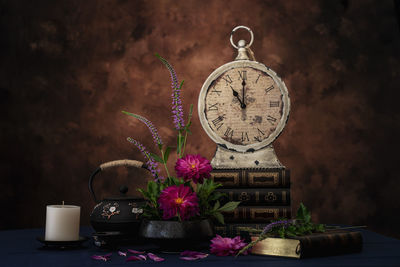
(48, 244)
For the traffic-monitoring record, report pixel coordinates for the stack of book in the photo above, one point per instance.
(264, 195)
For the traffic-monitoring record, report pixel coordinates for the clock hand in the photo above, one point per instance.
(236, 94)
(243, 84)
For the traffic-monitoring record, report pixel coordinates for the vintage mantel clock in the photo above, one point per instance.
(243, 107)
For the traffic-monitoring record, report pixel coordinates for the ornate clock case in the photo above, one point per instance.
(243, 107)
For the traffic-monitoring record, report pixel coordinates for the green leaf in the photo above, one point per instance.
(303, 214)
(156, 157)
(229, 206)
(217, 205)
(180, 86)
(166, 153)
(152, 190)
(219, 217)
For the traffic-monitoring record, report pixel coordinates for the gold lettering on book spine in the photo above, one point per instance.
(221, 230)
(254, 178)
(257, 213)
(222, 177)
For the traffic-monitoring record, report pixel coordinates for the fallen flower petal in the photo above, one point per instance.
(143, 257)
(102, 257)
(134, 258)
(154, 257)
(192, 255)
(136, 252)
(122, 253)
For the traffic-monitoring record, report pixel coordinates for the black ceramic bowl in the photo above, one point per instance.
(174, 236)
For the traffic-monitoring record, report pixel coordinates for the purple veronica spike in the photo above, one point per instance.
(151, 164)
(269, 227)
(150, 125)
(177, 109)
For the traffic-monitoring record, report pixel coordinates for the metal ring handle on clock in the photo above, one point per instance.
(246, 28)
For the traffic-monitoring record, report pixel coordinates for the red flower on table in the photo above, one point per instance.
(193, 167)
(178, 200)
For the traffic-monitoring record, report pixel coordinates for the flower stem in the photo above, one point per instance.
(184, 144)
(179, 144)
(165, 163)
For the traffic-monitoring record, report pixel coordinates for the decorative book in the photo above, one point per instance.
(257, 196)
(237, 229)
(314, 245)
(257, 214)
(252, 177)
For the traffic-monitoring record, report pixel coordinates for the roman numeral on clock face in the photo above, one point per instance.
(271, 119)
(245, 136)
(218, 122)
(258, 78)
(273, 104)
(229, 132)
(213, 90)
(261, 132)
(269, 89)
(227, 79)
(213, 107)
(242, 75)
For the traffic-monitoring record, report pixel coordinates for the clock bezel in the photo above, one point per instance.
(202, 109)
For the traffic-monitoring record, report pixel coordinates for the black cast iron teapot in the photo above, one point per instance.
(117, 214)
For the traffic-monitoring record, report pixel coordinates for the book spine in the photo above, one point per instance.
(257, 214)
(237, 229)
(279, 178)
(257, 196)
(330, 243)
(317, 244)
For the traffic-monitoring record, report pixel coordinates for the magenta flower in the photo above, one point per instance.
(177, 109)
(193, 167)
(178, 201)
(224, 246)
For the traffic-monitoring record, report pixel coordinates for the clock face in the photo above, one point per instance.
(244, 106)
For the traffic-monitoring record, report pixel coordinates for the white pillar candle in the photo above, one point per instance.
(62, 223)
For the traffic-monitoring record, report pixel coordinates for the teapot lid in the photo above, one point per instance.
(123, 189)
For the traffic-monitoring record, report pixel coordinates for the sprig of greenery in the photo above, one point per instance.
(300, 226)
(209, 201)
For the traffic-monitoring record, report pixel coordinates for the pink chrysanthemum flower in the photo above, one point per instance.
(193, 167)
(178, 200)
(224, 246)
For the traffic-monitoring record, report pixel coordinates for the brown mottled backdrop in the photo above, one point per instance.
(68, 68)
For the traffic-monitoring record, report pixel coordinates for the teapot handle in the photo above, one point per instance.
(115, 163)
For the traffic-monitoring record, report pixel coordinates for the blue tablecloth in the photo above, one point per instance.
(20, 248)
